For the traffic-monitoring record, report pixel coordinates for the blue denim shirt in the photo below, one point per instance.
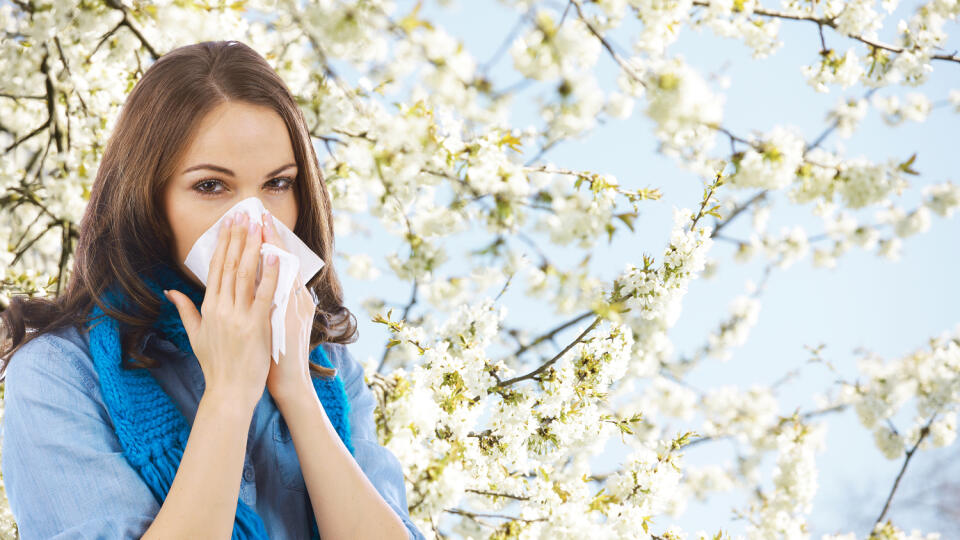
(65, 473)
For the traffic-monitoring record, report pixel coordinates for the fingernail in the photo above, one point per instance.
(252, 227)
(227, 221)
(271, 259)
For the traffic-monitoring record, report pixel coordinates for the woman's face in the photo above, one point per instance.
(240, 150)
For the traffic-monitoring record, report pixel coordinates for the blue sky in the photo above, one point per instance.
(890, 308)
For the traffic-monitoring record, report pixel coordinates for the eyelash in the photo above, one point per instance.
(207, 193)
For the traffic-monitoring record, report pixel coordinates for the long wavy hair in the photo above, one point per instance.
(124, 231)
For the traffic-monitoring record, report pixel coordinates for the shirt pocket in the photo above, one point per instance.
(287, 464)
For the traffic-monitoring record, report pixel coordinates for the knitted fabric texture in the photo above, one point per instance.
(152, 431)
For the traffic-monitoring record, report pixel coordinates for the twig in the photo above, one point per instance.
(831, 22)
(504, 46)
(553, 332)
(737, 210)
(126, 21)
(606, 45)
(903, 469)
(406, 312)
(553, 360)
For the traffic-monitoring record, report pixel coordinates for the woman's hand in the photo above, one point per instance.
(231, 334)
(291, 375)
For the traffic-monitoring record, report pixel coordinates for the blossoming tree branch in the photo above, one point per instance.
(495, 419)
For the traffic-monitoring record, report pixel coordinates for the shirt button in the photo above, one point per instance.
(248, 473)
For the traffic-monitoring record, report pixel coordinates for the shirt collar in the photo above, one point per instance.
(152, 338)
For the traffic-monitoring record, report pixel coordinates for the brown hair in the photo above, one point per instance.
(124, 231)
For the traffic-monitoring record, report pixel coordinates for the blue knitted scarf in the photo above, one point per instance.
(152, 430)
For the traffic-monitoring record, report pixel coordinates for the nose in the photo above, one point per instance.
(229, 212)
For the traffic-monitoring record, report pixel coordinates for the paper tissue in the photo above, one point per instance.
(298, 260)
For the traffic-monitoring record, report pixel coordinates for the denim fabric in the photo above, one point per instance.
(65, 473)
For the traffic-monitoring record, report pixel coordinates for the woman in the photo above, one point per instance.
(129, 414)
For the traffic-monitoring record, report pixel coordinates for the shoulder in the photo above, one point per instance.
(63, 467)
(67, 339)
(361, 397)
(346, 365)
(57, 356)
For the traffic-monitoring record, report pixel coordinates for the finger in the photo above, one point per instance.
(268, 285)
(216, 262)
(188, 312)
(296, 285)
(247, 272)
(270, 233)
(232, 261)
(307, 301)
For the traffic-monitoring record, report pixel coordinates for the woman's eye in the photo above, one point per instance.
(285, 186)
(285, 183)
(206, 183)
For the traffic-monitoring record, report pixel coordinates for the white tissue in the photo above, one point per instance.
(298, 259)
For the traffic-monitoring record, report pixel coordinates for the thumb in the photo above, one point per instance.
(188, 312)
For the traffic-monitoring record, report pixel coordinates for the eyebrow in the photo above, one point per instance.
(227, 171)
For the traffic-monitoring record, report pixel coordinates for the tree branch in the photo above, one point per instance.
(830, 22)
(903, 469)
(553, 360)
